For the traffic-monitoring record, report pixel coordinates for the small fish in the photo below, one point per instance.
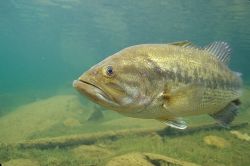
(166, 82)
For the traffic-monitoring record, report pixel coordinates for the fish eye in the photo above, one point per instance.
(109, 71)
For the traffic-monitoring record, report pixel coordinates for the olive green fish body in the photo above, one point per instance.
(167, 81)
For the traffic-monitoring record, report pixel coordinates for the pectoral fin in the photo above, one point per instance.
(181, 100)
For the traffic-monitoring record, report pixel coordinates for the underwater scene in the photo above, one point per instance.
(124, 83)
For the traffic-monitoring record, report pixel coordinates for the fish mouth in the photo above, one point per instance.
(93, 92)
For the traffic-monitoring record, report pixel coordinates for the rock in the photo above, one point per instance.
(146, 159)
(40, 116)
(241, 136)
(131, 159)
(21, 162)
(216, 141)
(91, 151)
(161, 160)
(71, 122)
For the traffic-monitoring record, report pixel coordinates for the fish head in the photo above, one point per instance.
(115, 83)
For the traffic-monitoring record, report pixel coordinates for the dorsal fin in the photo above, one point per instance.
(220, 50)
(184, 43)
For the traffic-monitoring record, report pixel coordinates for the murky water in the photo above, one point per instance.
(46, 44)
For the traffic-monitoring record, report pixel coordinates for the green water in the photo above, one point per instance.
(46, 44)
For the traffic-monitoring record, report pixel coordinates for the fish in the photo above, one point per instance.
(166, 82)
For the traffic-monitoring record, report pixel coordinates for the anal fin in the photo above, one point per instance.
(225, 116)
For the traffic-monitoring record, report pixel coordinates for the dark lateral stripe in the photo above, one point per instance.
(154, 72)
(215, 83)
(132, 82)
(154, 66)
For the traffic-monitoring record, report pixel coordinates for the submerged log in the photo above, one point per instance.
(79, 139)
(92, 138)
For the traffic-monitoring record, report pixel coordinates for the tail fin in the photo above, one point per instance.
(240, 82)
(225, 116)
(239, 75)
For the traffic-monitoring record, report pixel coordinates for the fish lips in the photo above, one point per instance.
(93, 92)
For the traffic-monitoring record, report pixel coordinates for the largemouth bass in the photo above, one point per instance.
(166, 82)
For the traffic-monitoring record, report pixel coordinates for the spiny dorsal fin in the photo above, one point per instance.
(184, 43)
(221, 50)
